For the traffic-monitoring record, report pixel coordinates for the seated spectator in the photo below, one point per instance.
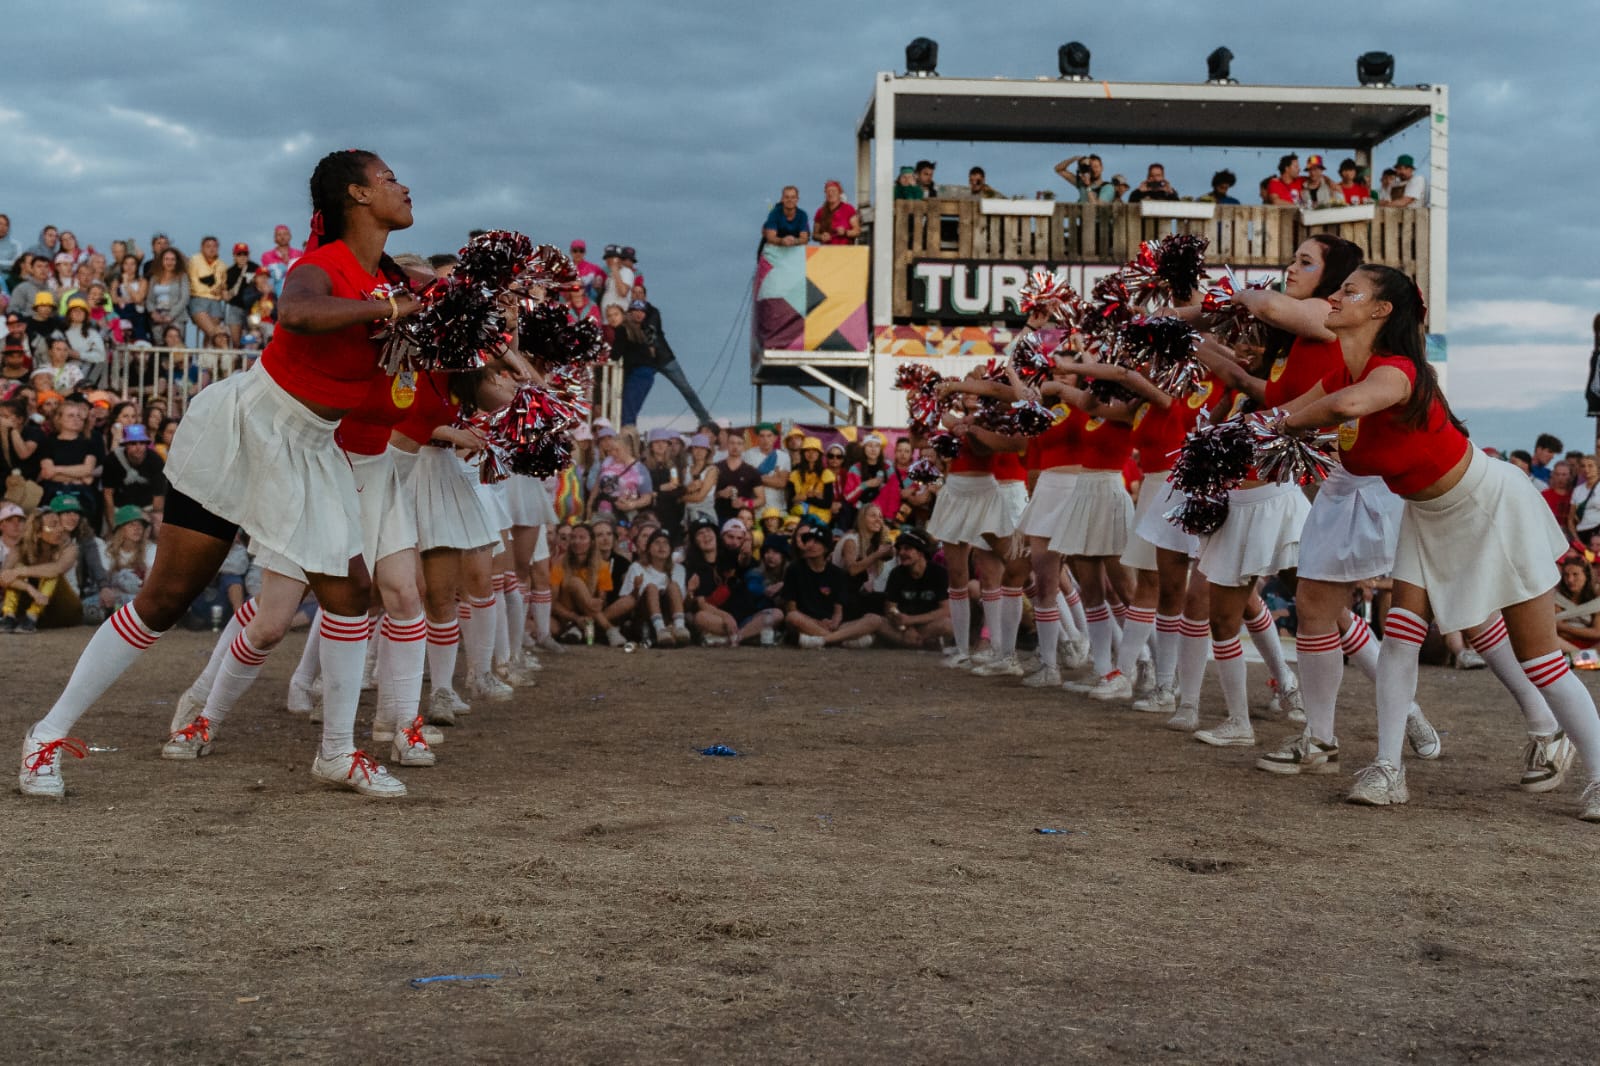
(1545, 449)
(978, 185)
(1084, 171)
(754, 602)
(872, 480)
(905, 186)
(917, 595)
(126, 557)
(811, 483)
(37, 593)
(1317, 190)
(768, 525)
(134, 475)
(1559, 494)
(1410, 188)
(12, 521)
(786, 224)
(622, 486)
(71, 459)
(208, 294)
(817, 593)
(88, 344)
(836, 221)
(710, 572)
(1585, 507)
(1577, 585)
(582, 579)
(865, 553)
(653, 588)
(1221, 182)
(614, 553)
(1154, 186)
(16, 364)
(1285, 188)
(62, 278)
(1352, 186)
(738, 484)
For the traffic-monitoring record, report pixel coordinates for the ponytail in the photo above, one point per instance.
(1403, 334)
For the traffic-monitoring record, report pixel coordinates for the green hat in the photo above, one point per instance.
(1406, 161)
(66, 505)
(908, 170)
(127, 513)
(768, 426)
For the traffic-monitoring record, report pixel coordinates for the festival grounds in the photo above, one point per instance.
(866, 884)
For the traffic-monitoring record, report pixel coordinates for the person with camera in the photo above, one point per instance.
(241, 296)
(1154, 186)
(1084, 172)
(817, 592)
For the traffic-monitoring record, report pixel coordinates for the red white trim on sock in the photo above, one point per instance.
(246, 612)
(958, 594)
(1190, 628)
(1546, 670)
(1357, 636)
(444, 635)
(1261, 622)
(1146, 615)
(405, 632)
(1047, 614)
(1120, 612)
(541, 595)
(131, 628)
(1490, 637)
(1010, 593)
(246, 653)
(991, 595)
(481, 605)
(1404, 626)
(1097, 613)
(346, 630)
(1223, 650)
(1073, 599)
(463, 610)
(1318, 644)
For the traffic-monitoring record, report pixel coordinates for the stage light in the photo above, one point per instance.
(922, 58)
(1375, 68)
(1218, 68)
(1073, 58)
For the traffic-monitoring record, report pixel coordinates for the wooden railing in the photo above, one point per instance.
(1110, 235)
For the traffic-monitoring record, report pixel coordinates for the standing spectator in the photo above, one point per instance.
(1410, 188)
(700, 482)
(905, 185)
(666, 362)
(1351, 185)
(128, 292)
(619, 281)
(278, 259)
(1585, 506)
(738, 485)
(904, 453)
(49, 244)
(836, 221)
(20, 439)
(1221, 182)
(916, 594)
(61, 279)
(1285, 188)
(1084, 171)
(168, 298)
(978, 185)
(1559, 495)
(1154, 186)
(87, 343)
(240, 295)
(772, 463)
(581, 305)
(36, 588)
(25, 297)
(631, 347)
(624, 483)
(208, 294)
(786, 224)
(591, 279)
(76, 254)
(872, 480)
(15, 364)
(1545, 449)
(811, 484)
(10, 250)
(665, 484)
(134, 475)
(1316, 190)
(925, 168)
(817, 593)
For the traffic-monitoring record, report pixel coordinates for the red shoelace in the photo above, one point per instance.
(360, 760)
(413, 734)
(44, 755)
(200, 727)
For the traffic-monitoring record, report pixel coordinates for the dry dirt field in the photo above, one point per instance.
(865, 884)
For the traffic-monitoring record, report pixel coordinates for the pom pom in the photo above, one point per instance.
(531, 435)
(1181, 264)
(458, 327)
(923, 472)
(1229, 321)
(1164, 348)
(548, 334)
(1033, 359)
(945, 444)
(1214, 458)
(1200, 516)
(1284, 457)
(1050, 295)
(494, 259)
(924, 405)
(550, 268)
(1023, 418)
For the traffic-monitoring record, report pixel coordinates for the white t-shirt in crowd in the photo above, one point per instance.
(653, 577)
(1417, 188)
(610, 296)
(1590, 517)
(779, 460)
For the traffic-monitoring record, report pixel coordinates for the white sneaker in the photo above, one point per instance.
(863, 641)
(769, 637)
(808, 641)
(383, 734)
(444, 705)
(301, 699)
(1163, 701)
(1185, 720)
(1296, 705)
(1074, 655)
(1420, 734)
(957, 662)
(711, 640)
(680, 633)
(1114, 686)
(1470, 660)
(1083, 688)
(360, 772)
(1044, 677)
(1232, 733)
(189, 707)
(997, 667)
(1590, 811)
(1144, 679)
(983, 656)
(1380, 785)
(410, 746)
(664, 636)
(1302, 754)
(514, 675)
(1546, 761)
(615, 638)
(488, 687)
(548, 642)
(528, 661)
(190, 742)
(41, 765)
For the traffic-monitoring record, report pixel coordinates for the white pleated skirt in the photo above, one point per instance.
(1488, 543)
(527, 502)
(253, 455)
(973, 506)
(388, 517)
(1046, 511)
(450, 513)
(1140, 554)
(1352, 530)
(493, 498)
(1260, 537)
(1152, 525)
(1097, 517)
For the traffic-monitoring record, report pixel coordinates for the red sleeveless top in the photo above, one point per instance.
(1295, 374)
(391, 401)
(333, 369)
(1408, 458)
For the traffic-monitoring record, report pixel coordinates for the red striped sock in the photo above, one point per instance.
(114, 647)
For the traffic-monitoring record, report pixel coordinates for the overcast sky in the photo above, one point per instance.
(672, 128)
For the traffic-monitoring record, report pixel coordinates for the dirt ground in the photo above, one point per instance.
(865, 884)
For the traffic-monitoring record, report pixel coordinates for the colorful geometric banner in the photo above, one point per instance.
(932, 342)
(812, 299)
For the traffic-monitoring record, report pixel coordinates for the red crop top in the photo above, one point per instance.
(1159, 434)
(1295, 374)
(1007, 466)
(434, 407)
(391, 400)
(1104, 445)
(1408, 459)
(1058, 445)
(968, 461)
(335, 368)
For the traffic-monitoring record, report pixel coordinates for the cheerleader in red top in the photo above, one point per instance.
(257, 451)
(1475, 538)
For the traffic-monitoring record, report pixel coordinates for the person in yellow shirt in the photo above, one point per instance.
(811, 484)
(208, 289)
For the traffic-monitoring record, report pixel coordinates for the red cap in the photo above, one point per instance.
(1314, 161)
(241, 249)
(579, 246)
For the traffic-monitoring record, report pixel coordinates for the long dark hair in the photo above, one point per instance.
(1340, 259)
(334, 174)
(1402, 334)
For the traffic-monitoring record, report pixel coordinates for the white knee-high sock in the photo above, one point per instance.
(1075, 611)
(343, 649)
(1168, 635)
(991, 617)
(1264, 635)
(1194, 648)
(541, 600)
(1572, 704)
(444, 644)
(1360, 647)
(1048, 621)
(400, 659)
(1069, 629)
(961, 619)
(1010, 619)
(1321, 672)
(516, 613)
(1229, 655)
(1102, 630)
(310, 665)
(201, 687)
(115, 646)
(479, 635)
(1137, 628)
(369, 664)
(1495, 648)
(1403, 634)
(239, 670)
(502, 632)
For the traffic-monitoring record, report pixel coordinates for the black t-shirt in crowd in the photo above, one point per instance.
(71, 452)
(816, 594)
(34, 434)
(668, 506)
(138, 485)
(914, 595)
(746, 479)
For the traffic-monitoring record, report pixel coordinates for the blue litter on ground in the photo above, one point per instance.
(418, 982)
(719, 750)
(1047, 831)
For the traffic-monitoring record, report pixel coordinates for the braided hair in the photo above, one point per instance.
(330, 200)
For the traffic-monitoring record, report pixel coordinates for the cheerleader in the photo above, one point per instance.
(1474, 537)
(257, 451)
